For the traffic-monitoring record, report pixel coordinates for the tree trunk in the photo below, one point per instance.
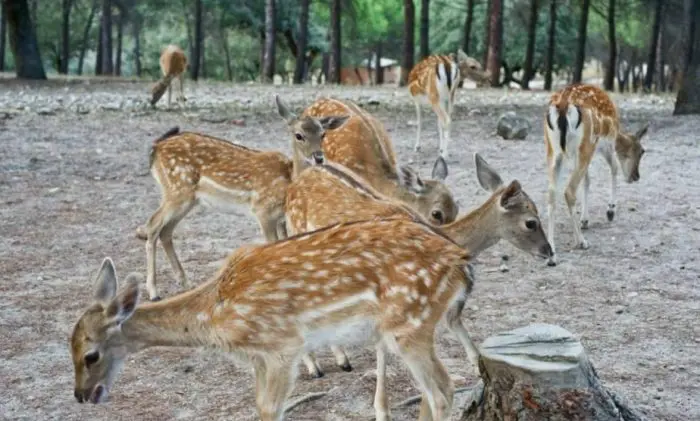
(424, 28)
(223, 35)
(3, 35)
(581, 42)
(268, 67)
(203, 58)
(493, 63)
(468, 26)
(300, 67)
(409, 12)
(335, 63)
(609, 81)
(120, 36)
(378, 69)
(660, 62)
(103, 63)
(551, 43)
(541, 372)
(86, 34)
(651, 61)
(34, 14)
(487, 35)
(65, 36)
(136, 27)
(688, 99)
(23, 42)
(528, 72)
(196, 59)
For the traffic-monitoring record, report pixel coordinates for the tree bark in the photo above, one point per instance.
(660, 62)
(409, 13)
(493, 63)
(3, 35)
(541, 372)
(136, 27)
(581, 42)
(378, 69)
(468, 26)
(528, 72)
(23, 42)
(335, 62)
(223, 35)
(120, 36)
(198, 41)
(86, 34)
(551, 45)
(300, 67)
(268, 67)
(651, 61)
(104, 65)
(424, 28)
(487, 35)
(688, 99)
(609, 81)
(65, 36)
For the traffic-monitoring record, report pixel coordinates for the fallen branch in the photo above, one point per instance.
(416, 399)
(306, 398)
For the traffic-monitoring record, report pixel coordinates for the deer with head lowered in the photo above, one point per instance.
(363, 146)
(379, 281)
(192, 168)
(581, 120)
(173, 64)
(330, 193)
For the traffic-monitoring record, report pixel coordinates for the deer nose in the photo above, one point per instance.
(78, 395)
(546, 250)
(317, 157)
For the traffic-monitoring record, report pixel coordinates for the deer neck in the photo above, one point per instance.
(477, 230)
(299, 163)
(177, 321)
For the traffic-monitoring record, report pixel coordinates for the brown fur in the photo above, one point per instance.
(173, 64)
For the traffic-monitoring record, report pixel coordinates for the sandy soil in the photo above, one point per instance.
(74, 185)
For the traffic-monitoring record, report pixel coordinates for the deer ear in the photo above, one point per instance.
(106, 282)
(439, 169)
(410, 179)
(283, 111)
(487, 176)
(333, 122)
(510, 195)
(124, 304)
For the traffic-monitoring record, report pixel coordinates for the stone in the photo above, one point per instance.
(512, 126)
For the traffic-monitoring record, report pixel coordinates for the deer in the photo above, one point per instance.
(581, 120)
(329, 193)
(436, 78)
(173, 64)
(381, 282)
(193, 168)
(363, 145)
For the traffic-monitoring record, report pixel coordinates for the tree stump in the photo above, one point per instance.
(541, 373)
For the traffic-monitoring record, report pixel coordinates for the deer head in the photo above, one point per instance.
(629, 150)
(430, 198)
(470, 68)
(97, 344)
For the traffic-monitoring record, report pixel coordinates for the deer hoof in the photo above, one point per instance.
(584, 224)
(610, 214)
(346, 367)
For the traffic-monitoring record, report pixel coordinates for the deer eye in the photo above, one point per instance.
(299, 137)
(531, 224)
(473, 67)
(91, 358)
(437, 215)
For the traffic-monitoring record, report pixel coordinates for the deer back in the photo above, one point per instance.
(173, 60)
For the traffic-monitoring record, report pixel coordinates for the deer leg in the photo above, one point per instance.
(282, 228)
(442, 124)
(182, 86)
(608, 155)
(416, 147)
(381, 402)
(279, 381)
(170, 93)
(554, 172)
(584, 201)
(447, 128)
(312, 366)
(166, 240)
(570, 198)
(341, 359)
(268, 226)
(455, 325)
(153, 228)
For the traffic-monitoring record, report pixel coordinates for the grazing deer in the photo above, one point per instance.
(436, 78)
(329, 194)
(173, 64)
(192, 168)
(581, 120)
(379, 281)
(363, 146)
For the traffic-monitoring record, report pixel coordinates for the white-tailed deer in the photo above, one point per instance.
(192, 168)
(382, 282)
(363, 146)
(581, 120)
(436, 78)
(330, 193)
(173, 64)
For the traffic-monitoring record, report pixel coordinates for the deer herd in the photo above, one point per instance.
(358, 249)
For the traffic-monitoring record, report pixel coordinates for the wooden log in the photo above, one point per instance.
(541, 372)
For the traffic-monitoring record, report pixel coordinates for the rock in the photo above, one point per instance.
(513, 126)
(45, 111)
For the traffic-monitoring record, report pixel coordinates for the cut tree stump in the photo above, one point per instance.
(541, 373)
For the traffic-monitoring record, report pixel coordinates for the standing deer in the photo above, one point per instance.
(363, 146)
(330, 193)
(382, 282)
(192, 168)
(436, 78)
(581, 120)
(173, 64)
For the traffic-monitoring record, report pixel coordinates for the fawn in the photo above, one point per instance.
(173, 64)
(382, 281)
(192, 168)
(363, 146)
(436, 78)
(581, 120)
(330, 193)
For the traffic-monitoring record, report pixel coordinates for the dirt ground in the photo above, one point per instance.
(74, 185)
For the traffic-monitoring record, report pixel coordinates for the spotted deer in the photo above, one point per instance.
(581, 120)
(173, 64)
(436, 79)
(330, 193)
(381, 282)
(192, 168)
(364, 146)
